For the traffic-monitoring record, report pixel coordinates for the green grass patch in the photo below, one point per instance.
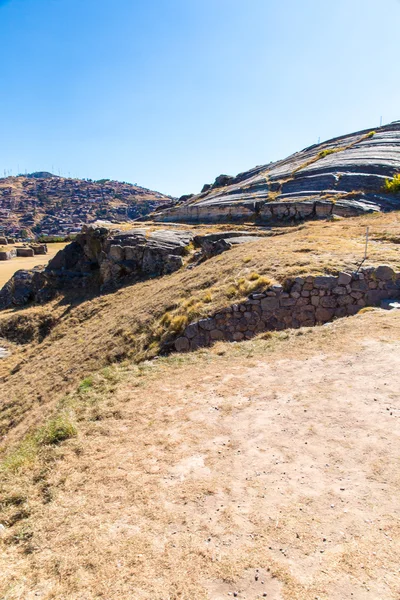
(25, 455)
(85, 385)
(57, 430)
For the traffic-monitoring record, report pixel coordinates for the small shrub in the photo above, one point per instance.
(370, 134)
(253, 276)
(166, 319)
(194, 310)
(231, 291)
(56, 430)
(188, 249)
(261, 281)
(24, 455)
(392, 186)
(207, 298)
(324, 153)
(329, 151)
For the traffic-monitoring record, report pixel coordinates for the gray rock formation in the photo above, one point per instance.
(343, 176)
(99, 259)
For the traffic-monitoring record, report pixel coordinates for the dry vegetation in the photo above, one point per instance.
(131, 322)
(177, 478)
(259, 468)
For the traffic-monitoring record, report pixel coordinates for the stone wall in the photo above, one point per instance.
(302, 302)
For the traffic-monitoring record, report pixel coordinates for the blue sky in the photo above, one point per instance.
(171, 93)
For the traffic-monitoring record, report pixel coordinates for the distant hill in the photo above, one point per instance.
(344, 176)
(42, 203)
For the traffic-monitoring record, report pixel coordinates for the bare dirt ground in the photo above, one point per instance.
(9, 267)
(263, 469)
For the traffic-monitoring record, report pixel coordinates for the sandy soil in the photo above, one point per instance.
(243, 471)
(8, 267)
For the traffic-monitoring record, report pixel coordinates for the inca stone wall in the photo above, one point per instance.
(303, 302)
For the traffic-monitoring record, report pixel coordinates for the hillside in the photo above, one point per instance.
(344, 176)
(130, 470)
(261, 468)
(46, 204)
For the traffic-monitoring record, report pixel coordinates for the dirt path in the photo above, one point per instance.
(255, 476)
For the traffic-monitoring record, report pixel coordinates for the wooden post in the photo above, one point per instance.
(366, 243)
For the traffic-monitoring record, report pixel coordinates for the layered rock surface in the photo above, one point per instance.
(344, 176)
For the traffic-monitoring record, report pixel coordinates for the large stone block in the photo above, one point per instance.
(191, 330)
(207, 324)
(385, 273)
(26, 252)
(287, 301)
(217, 334)
(339, 290)
(325, 282)
(344, 278)
(328, 301)
(269, 303)
(323, 315)
(182, 344)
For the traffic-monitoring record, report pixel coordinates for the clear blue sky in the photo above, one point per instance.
(171, 93)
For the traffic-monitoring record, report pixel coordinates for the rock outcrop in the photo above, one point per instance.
(99, 259)
(344, 176)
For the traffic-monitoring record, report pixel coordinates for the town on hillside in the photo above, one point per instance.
(43, 205)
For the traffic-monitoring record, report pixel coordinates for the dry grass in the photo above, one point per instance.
(129, 323)
(192, 475)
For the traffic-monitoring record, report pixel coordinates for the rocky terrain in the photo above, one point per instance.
(45, 204)
(344, 176)
(100, 260)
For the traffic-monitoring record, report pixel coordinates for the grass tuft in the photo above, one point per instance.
(85, 384)
(57, 430)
